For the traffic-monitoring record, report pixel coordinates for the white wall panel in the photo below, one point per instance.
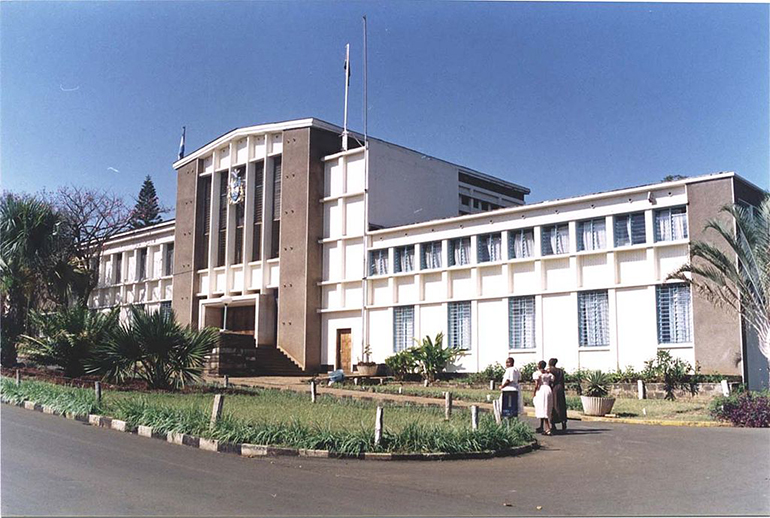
(381, 294)
(219, 281)
(355, 215)
(276, 143)
(633, 266)
(273, 274)
(602, 360)
(333, 178)
(203, 283)
(258, 153)
(595, 270)
(463, 286)
(355, 174)
(224, 157)
(434, 287)
(433, 320)
(353, 295)
(637, 326)
(560, 330)
(332, 220)
(380, 334)
(354, 259)
(241, 151)
(330, 297)
(492, 332)
(492, 281)
(331, 261)
(558, 274)
(670, 258)
(526, 279)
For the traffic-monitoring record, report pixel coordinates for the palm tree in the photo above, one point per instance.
(29, 239)
(738, 278)
(155, 348)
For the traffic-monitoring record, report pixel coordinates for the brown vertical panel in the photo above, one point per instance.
(183, 301)
(299, 324)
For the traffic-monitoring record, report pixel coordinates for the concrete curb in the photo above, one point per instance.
(259, 450)
(656, 422)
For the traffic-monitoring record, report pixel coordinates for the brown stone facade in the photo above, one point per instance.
(183, 302)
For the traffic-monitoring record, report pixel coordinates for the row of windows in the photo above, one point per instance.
(629, 229)
(168, 264)
(204, 215)
(468, 201)
(673, 320)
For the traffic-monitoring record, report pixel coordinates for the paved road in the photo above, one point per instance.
(54, 466)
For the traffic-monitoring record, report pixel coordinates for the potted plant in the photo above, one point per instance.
(595, 401)
(366, 367)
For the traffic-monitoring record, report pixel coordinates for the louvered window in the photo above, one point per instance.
(378, 262)
(459, 251)
(276, 233)
(403, 259)
(521, 243)
(591, 234)
(222, 238)
(240, 213)
(630, 229)
(259, 187)
(674, 314)
(459, 325)
(403, 328)
(204, 222)
(521, 322)
(555, 239)
(118, 268)
(489, 248)
(168, 260)
(671, 224)
(431, 255)
(593, 318)
(165, 307)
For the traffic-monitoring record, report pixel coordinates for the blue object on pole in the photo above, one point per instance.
(336, 376)
(510, 407)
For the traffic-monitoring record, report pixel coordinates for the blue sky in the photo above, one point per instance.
(564, 98)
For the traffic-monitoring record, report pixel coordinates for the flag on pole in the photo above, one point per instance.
(181, 144)
(347, 68)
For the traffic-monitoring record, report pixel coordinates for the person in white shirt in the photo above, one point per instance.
(511, 381)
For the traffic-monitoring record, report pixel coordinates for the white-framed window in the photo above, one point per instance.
(674, 313)
(165, 307)
(521, 322)
(430, 255)
(555, 239)
(459, 325)
(459, 251)
(630, 229)
(671, 224)
(521, 243)
(168, 261)
(142, 260)
(378, 262)
(489, 247)
(403, 328)
(118, 268)
(592, 234)
(593, 318)
(403, 259)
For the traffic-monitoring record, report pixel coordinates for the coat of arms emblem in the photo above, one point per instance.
(235, 188)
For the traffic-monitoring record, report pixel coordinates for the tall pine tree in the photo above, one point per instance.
(147, 210)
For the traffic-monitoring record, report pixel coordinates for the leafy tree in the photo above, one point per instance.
(155, 348)
(673, 177)
(67, 337)
(736, 276)
(147, 209)
(29, 240)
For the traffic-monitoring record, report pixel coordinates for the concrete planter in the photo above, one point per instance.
(597, 406)
(367, 370)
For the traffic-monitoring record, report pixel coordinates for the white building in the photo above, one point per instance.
(317, 252)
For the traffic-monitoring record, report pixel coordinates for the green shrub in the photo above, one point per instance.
(674, 372)
(575, 379)
(432, 357)
(402, 364)
(492, 371)
(629, 375)
(749, 409)
(156, 349)
(597, 382)
(527, 371)
(67, 337)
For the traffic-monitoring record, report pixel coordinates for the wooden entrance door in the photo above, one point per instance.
(241, 319)
(344, 350)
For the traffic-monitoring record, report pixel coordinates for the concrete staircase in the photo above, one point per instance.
(238, 355)
(271, 361)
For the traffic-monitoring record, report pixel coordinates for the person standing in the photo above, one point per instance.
(559, 413)
(543, 397)
(510, 382)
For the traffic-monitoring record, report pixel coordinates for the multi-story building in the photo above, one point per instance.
(320, 252)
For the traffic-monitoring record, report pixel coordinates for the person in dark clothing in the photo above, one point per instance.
(559, 412)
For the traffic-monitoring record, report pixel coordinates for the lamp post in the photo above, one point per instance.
(225, 301)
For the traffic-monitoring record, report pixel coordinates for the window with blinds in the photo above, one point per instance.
(275, 245)
(165, 307)
(403, 328)
(674, 314)
(555, 239)
(593, 318)
(521, 322)
(203, 222)
(521, 243)
(671, 224)
(630, 229)
(142, 260)
(118, 268)
(240, 216)
(459, 325)
(168, 260)
(459, 251)
(489, 247)
(403, 259)
(378, 262)
(222, 226)
(259, 187)
(591, 234)
(430, 255)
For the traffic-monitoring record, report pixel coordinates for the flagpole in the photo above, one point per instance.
(347, 84)
(364, 283)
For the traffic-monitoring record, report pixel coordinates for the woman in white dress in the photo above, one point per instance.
(543, 397)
